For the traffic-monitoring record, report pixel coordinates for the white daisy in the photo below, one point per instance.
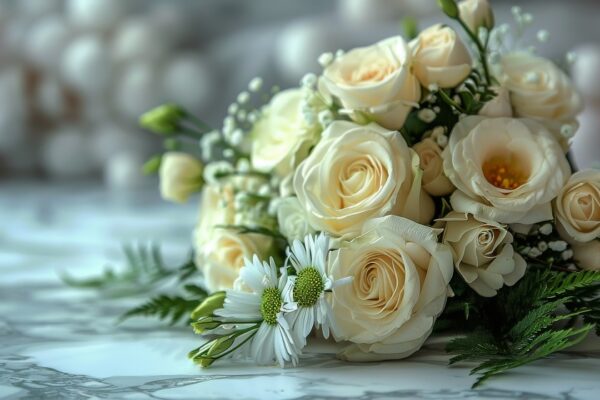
(272, 341)
(310, 284)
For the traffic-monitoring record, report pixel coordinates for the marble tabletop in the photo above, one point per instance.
(58, 342)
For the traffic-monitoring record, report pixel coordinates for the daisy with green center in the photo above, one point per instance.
(311, 283)
(272, 340)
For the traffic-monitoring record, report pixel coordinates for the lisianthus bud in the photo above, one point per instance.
(204, 324)
(449, 8)
(152, 165)
(220, 345)
(476, 13)
(209, 305)
(180, 176)
(163, 120)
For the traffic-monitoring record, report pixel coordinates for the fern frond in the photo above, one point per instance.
(164, 307)
(545, 344)
(554, 284)
(144, 269)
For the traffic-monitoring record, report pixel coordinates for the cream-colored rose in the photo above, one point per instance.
(180, 176)
(356, 173)
(434, 181)
(219, 253)
(483, 252)
(587, 255)
(222, 256)
(507, 170)
(540, 90)
(577, 207)
(476, 13)
(292, 220)
(440, 57)
(499, 106)
(375, 81)
(282, 137)
(400, 284)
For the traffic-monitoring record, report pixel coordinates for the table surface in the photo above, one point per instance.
(61, 342)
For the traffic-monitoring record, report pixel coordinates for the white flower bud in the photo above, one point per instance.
(309, 81)
(567, 131)
(558, 245)
(243, 97)
(426, 115)
(543, 35)
(255, 84)
(233, 108)
(325, 59)
(180, 176)
(567, 254)
(546, 229)
(442, 141)
(325, 118)
(534, 252)
(243, 165)
(264, 190)
(237, 137)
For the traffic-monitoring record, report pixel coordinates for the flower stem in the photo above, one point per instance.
(481, 49)
(450, 102)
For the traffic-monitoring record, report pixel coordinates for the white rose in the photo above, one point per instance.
(587, 255)
(356, 173)
(541, 90)
(375, 81)
(577, 207)
(483, 252)
(434, 181)
(180, 176)
(292, 220)
(476, 13)
(401, 276)
(507, 170)
(499, 106)
(219, 253)
(281, 138)
(440, 57)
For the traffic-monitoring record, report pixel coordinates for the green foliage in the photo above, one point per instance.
(144, 270)
(524, 323)
(261, 230)
(171, 308)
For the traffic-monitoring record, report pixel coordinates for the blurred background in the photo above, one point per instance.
(76, 74)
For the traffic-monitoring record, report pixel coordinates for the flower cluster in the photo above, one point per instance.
(346, 204)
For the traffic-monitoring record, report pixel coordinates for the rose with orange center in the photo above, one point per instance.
(440, 57)
(375, 82)
(356, 173)
(505, 169)
(400, 284)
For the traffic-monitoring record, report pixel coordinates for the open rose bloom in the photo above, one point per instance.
(413, 185)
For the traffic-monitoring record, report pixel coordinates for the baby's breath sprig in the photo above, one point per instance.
(543, 246)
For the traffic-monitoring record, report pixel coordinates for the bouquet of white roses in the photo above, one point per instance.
(413, 187)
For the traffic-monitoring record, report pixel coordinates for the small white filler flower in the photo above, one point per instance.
(273, 340)
(309, 259)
